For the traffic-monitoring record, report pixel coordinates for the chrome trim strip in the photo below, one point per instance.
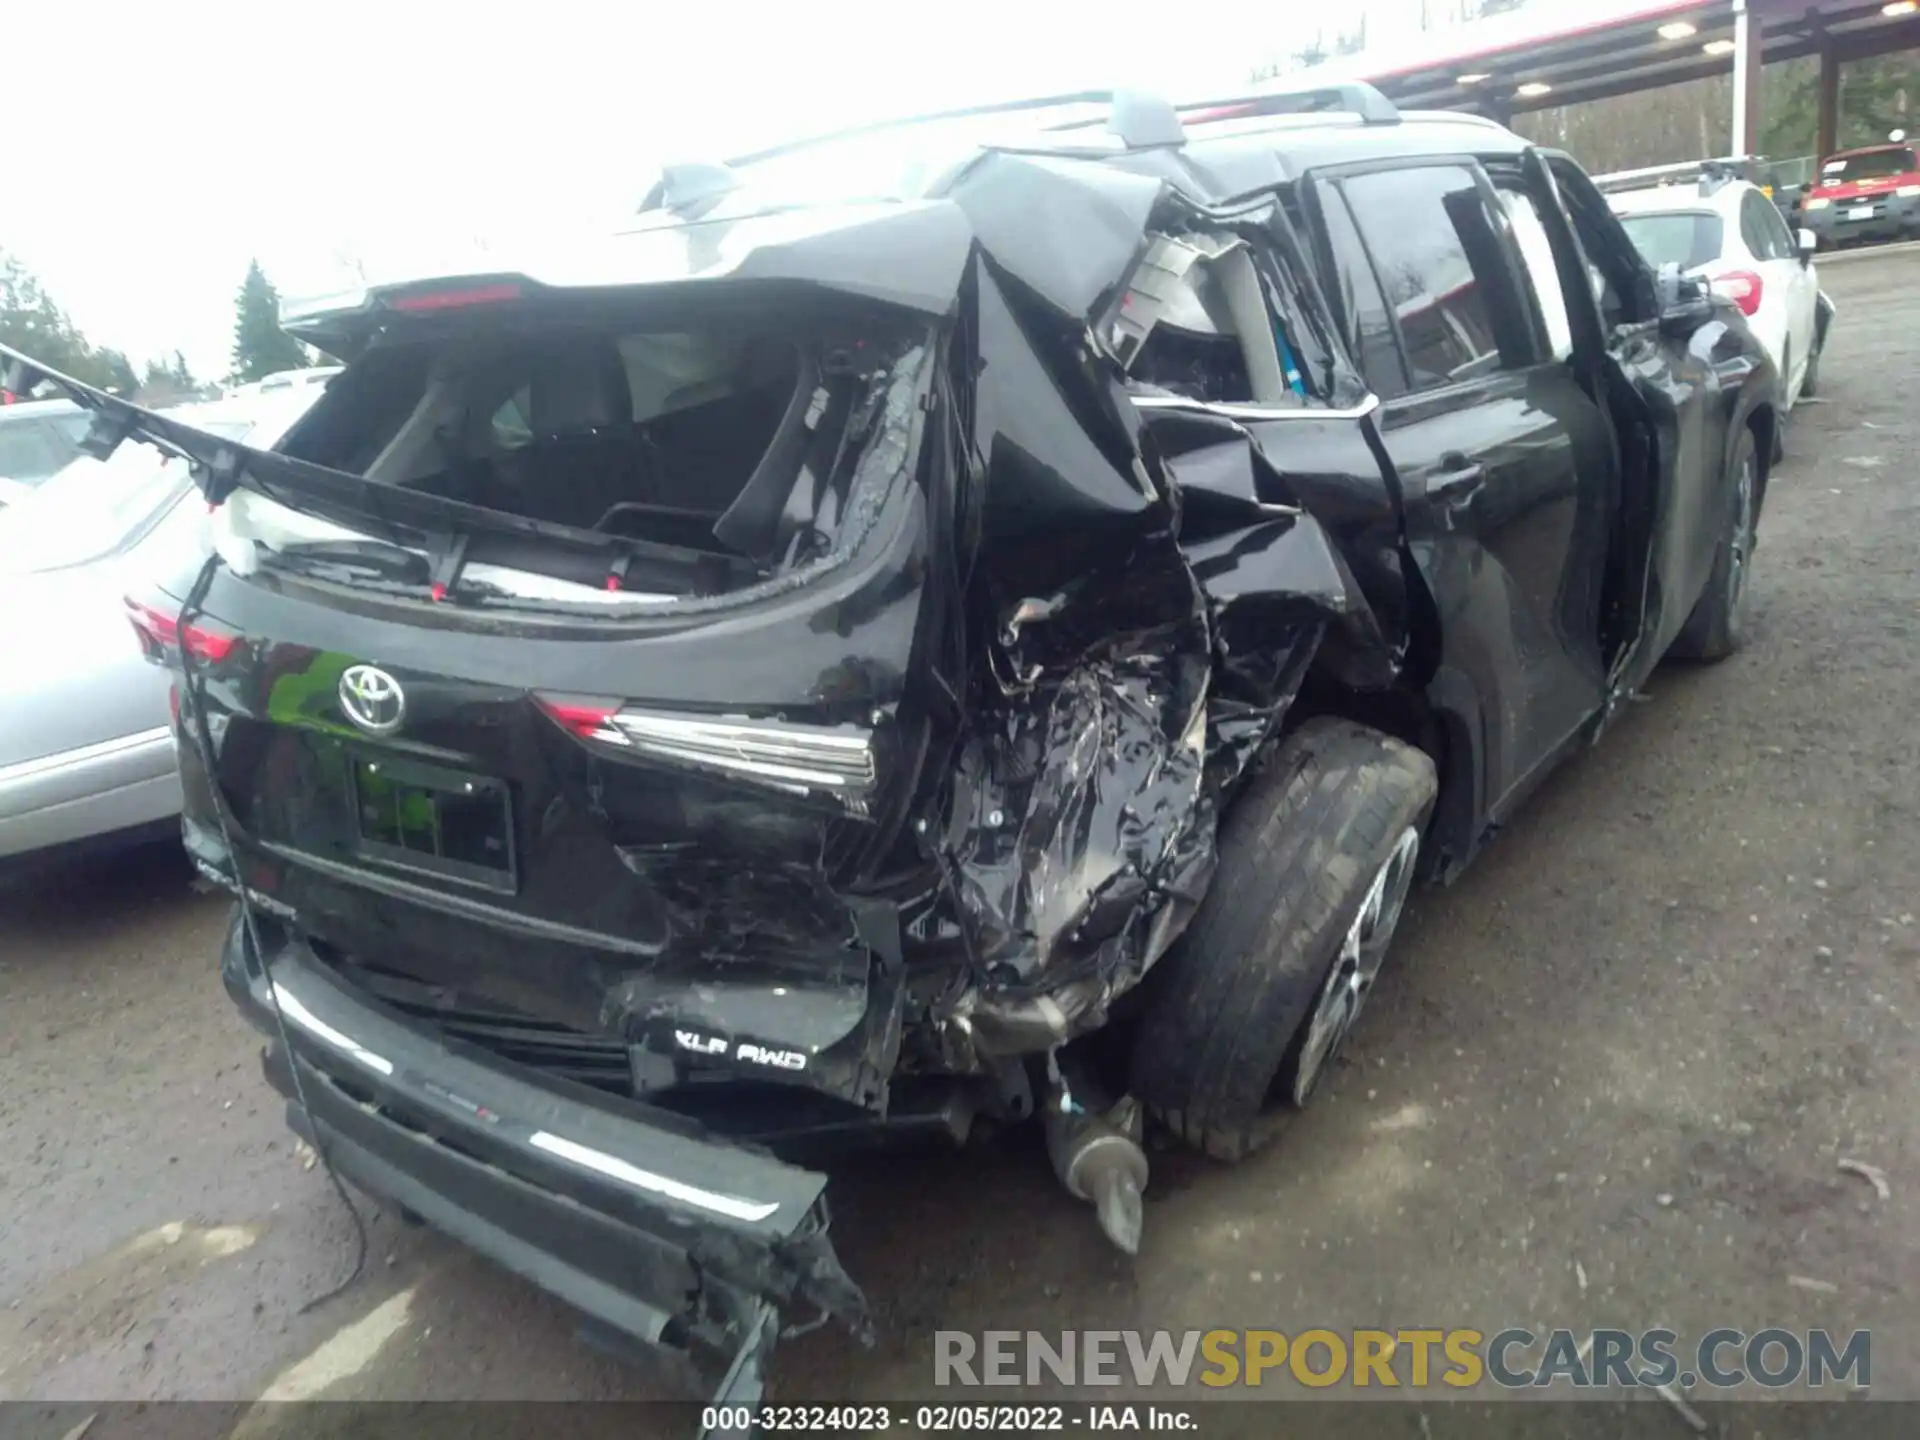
(293, 1010)
(614, 1168)
(1256, 412)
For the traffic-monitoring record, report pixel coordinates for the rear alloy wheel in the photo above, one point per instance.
(1242, 1019)
(1355, 968)
(1716, 627)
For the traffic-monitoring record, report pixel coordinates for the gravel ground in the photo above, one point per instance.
(1607, 1083)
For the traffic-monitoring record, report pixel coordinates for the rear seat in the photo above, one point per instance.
(588, 454)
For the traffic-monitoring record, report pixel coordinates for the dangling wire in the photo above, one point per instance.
(193, 704)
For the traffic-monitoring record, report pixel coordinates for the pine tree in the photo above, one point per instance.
(260, 346)
(33, 324)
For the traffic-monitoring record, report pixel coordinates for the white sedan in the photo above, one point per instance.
(1725, 230)
(86, 741)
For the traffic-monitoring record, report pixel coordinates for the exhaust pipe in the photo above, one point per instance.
(1097, 1156)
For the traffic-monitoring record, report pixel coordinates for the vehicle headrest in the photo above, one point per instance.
(579, 388)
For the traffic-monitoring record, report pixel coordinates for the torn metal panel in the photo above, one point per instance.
(1066, 232)
(1062, 474)
(1079, 789)
(1153, 595)
(1267, 564)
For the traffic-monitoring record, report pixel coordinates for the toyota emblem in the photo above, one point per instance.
(372, 699)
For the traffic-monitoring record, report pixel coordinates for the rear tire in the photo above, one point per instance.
(1245, 1014)
(1716, 627)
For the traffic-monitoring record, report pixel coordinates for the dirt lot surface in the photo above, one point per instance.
(1608, 1081)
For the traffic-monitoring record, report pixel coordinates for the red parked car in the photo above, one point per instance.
(1868, 194)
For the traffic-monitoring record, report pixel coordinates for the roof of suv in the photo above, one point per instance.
(1224, 160)
(871, 211)
(1229, 149)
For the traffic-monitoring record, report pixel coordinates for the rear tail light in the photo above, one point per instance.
(458, 298)
(1742, 287)
(833, 759)
(590, 720)
(160, 635)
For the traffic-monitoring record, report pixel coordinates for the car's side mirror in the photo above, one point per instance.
(1806, 242)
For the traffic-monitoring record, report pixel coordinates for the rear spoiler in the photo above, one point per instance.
(451, 533)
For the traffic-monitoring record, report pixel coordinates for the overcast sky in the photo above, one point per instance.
(155, 150)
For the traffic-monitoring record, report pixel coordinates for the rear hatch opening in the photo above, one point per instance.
(540, 450)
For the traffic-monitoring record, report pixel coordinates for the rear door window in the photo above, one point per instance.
(1760, 228)
(1447, 270)
(1774, 225)
(1363, 308)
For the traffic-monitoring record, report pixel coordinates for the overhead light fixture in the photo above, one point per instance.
(1719, 47)
(1532, 88)
(1677, 30)
(1471, 79)
(1900, 7)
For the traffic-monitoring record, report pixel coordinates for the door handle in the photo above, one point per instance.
(1456, 484)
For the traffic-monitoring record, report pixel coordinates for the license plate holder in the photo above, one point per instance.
(435, 821)
(1860, 212)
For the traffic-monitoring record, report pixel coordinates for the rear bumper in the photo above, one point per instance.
(119, 784)
(689, 1247)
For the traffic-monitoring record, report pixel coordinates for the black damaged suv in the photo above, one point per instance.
(1000, 641)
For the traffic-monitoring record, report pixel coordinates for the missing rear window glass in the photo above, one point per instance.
(744, 439)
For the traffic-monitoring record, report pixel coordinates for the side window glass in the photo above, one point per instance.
(1783, 246)
(1543, 276)
(1754, 228)
(1411, 220)
(1363, 310)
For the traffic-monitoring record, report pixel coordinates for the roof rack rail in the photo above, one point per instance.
(1349, 97)
(1140, 120)
(1711, 173)
(875, 127)
(687, 188)
(1144, 121)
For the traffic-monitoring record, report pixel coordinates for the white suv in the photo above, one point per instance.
(1711, 222)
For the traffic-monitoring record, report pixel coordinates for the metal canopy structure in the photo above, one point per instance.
(1549, 54)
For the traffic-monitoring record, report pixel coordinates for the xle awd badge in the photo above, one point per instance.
(744, 1052)
(372, 699)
